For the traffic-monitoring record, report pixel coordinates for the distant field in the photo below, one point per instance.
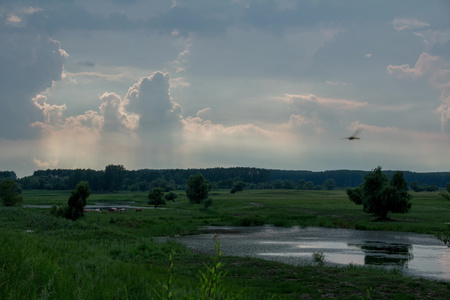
(114, 255)
(428, 214)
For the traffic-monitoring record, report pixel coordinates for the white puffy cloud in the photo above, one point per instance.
(403, 24)
(145, 125)
(53, 114)
(150, 98)
(438, 72)
(426, 64)
(115, 116)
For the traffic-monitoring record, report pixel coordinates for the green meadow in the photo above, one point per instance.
(115, 255)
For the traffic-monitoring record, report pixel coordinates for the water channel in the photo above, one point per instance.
(418, 255)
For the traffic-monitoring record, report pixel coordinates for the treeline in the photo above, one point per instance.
(353, 178)
(116, 177)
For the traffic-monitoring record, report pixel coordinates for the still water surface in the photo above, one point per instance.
(419, 255)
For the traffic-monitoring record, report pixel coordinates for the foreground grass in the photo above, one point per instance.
(114, 256)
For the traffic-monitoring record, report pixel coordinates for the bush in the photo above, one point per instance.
(58, 210)
(10, 193)
(207, 203)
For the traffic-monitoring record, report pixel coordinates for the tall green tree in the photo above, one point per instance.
(379, 196)
(114, 176)
(171, 196)
(329, 184)
(10, 193)
(77, 201)
(156, 197)
(197, 188)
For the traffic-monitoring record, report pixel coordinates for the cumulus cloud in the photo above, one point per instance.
(424, 65)
(30, 63)
(150, 98)
(143, 126)
(115, 116)
(438, 71)
(53, 114)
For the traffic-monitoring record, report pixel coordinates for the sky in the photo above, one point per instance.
(250, 83)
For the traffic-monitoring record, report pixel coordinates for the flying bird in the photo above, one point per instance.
(354, 136)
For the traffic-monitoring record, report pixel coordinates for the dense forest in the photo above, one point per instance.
(116, 177)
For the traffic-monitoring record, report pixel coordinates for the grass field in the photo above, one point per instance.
(115, 256)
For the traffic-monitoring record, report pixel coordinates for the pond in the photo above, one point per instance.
(418, 255)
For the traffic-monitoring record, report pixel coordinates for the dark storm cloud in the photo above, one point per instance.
(30, 63)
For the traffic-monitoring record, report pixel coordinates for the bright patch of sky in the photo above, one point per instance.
(194, 84)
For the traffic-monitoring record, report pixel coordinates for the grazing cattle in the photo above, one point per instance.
(113, 209)
(122, 210)
(99, 210)
(87, 210)
(138, 209)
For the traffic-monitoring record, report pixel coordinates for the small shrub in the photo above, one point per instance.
(58, 210)
(318, 257)
(207, 203)
(211, 279)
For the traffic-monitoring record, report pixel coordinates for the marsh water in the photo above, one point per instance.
(419, 255)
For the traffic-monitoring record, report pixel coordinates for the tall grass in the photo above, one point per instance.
(44, 257)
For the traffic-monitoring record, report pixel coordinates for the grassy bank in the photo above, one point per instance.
(429, 211)
(114, 256)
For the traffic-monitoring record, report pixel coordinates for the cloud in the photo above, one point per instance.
(150, 98)
(53, 114)
(44, 165)
(341, 104)
(115, 116)
(404, 24)
(439, 78)
(97, 76)
(209, 144)
(145, 125)
(441, 81)
(426, 64)
(182, 62)
(30, 63)
(13, 18)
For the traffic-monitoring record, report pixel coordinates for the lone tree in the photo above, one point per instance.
(379, 196)
(238, 187)
(156, 197)
(171, 196)
(77, 201)
(10, 193)
(197, 188)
